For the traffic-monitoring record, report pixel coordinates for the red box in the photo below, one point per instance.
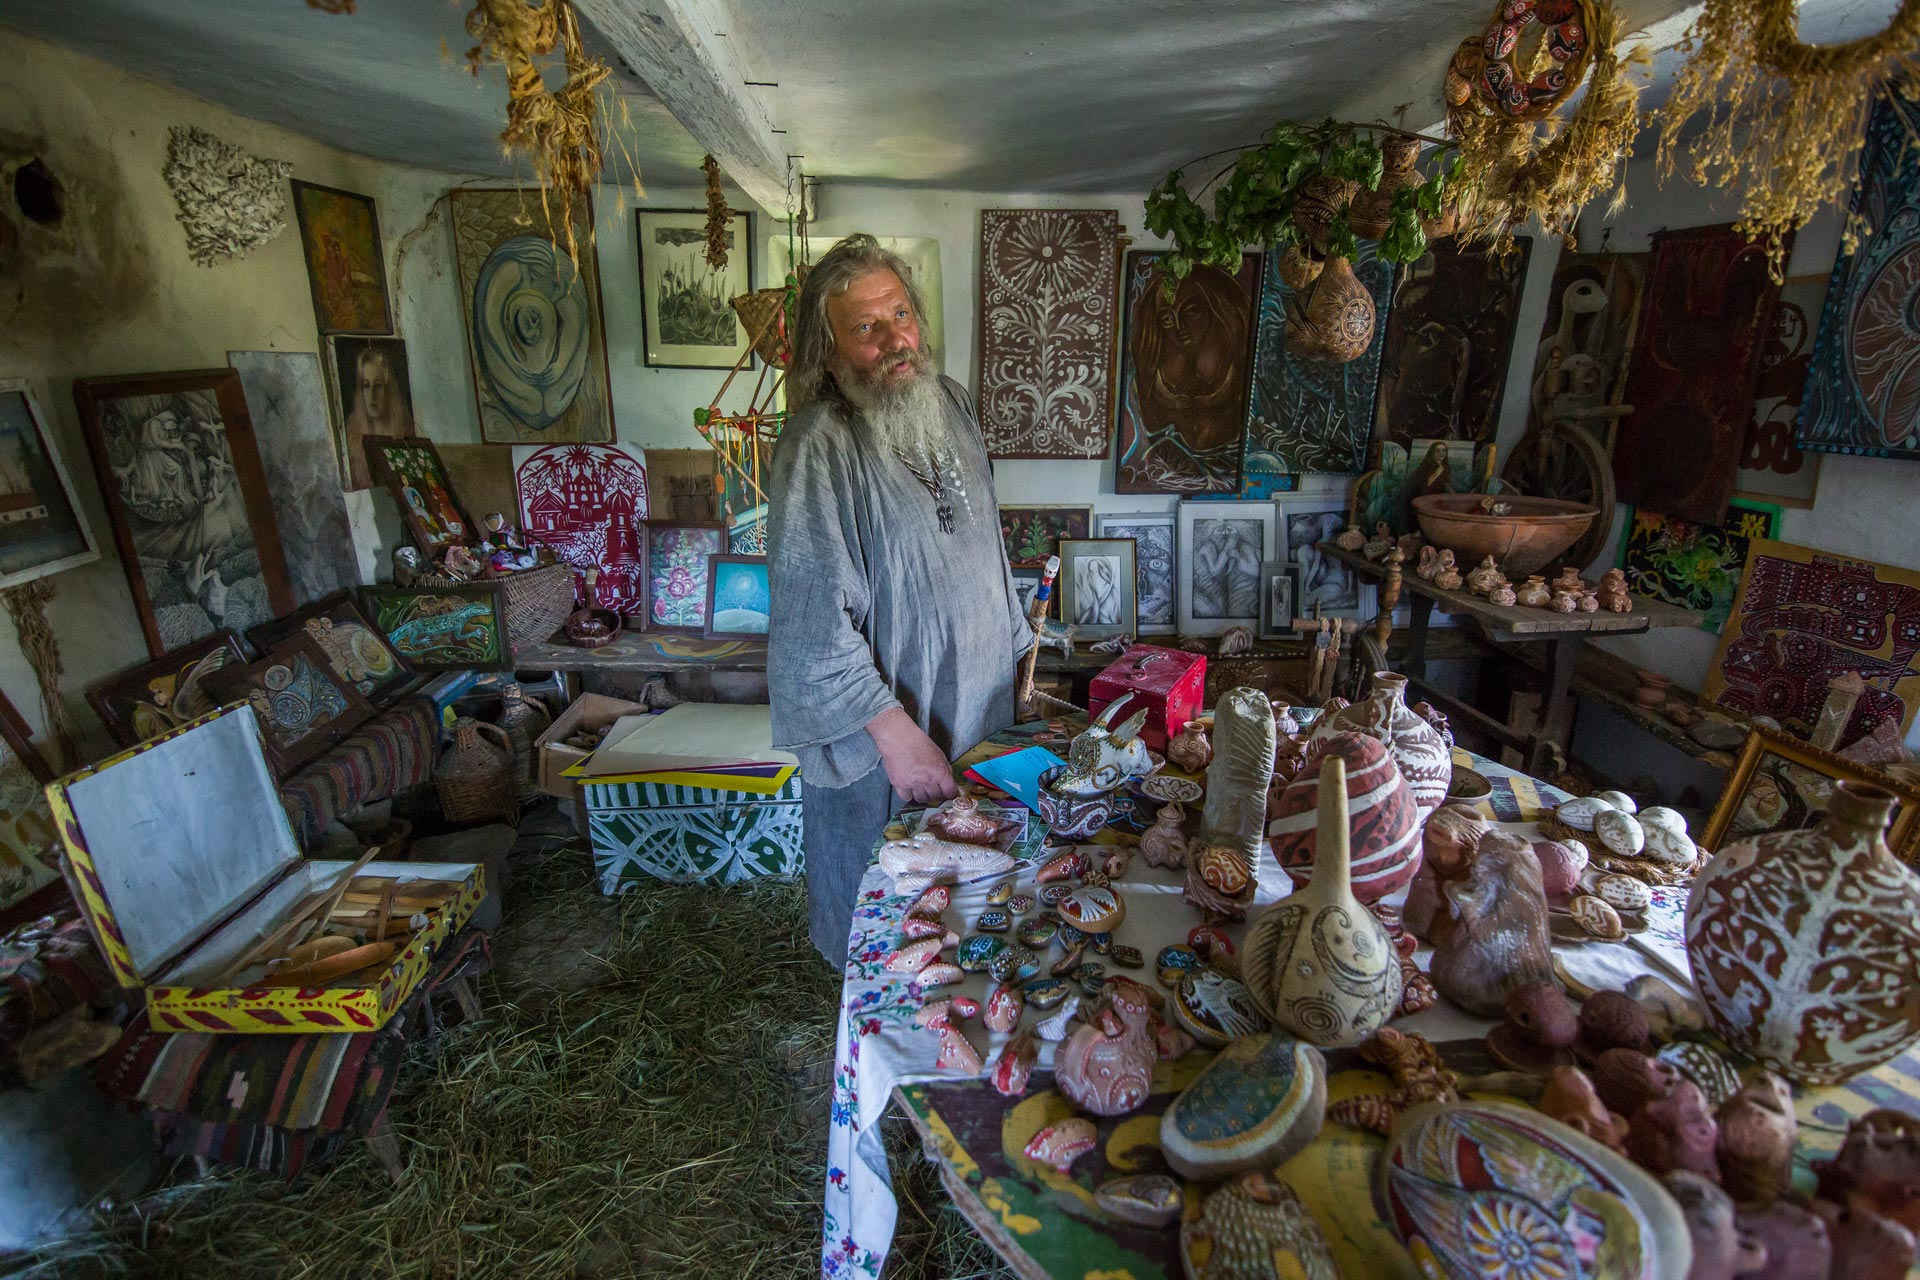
(1172, 681)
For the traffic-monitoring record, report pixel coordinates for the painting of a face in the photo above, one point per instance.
(1190, 355)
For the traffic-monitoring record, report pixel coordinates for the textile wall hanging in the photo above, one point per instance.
(155, 696)
(534, 333)
(372, 396)
(1863, 387)
(340, 235)
(288, 405)
(589, 503)
(188, 501)
(1449, 339)
(1045, 348)
(1803, 617)
(685, 319)
(1695, 566)
(1183, 377)
(1580, 366)
(356, 653)
(44, 531)
(302, 706)
(1031, 534)
(1773, 468)
(1309, 415)
(1709, 309)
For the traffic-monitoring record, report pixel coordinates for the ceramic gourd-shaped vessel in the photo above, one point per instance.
(1222, 860)
(1804, 944)
(1317, 962)
(1331, 319)
(1417, 747)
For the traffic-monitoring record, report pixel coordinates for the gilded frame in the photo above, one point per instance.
(1903, 836)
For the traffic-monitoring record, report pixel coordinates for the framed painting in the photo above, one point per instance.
(1044, 350)
(1580, 364)
(1696, 566)
(1783, 784)
(1183, 377)
(1155, 540)
(536, 341)
(1031, 534)
(355, 652)
(739, 601)
(1773, 466)
(1325, 587)
(452, 628)
(1098, 586)
(303, 708)
(411, 470)
(677, 584)
(346, 267)
(1222, 546)
(148, 699)
(42, 530)
(1443, 371)
(187, 497)
(372, 396)
(288, 405)
(686, 320)
(589, 503)
(1279, 600)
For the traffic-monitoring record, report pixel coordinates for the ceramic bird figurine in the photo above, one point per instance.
(960, 819)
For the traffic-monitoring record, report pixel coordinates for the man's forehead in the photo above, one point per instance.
(879, 287)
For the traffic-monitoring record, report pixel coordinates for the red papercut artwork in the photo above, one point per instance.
(589, 503)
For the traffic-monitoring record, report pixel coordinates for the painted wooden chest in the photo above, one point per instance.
(686, 834)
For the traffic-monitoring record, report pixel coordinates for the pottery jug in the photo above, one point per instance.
(1383, 822)
(1317, 962)
(1417, 747)
(1106, 1066)
(524, 721)
(1804, 944)
(1371, 213)
(1331, 319)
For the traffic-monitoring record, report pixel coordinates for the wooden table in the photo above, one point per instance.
(1561, 634)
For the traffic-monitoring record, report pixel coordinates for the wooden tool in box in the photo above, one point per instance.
(184, 863)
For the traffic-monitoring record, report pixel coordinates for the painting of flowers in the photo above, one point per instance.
(677, 574)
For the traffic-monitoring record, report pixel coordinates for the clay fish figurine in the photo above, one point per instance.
(919, 860)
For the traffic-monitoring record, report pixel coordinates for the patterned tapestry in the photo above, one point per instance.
(1309, 415)
(1709, 308)
(1803, 617)
(1772, 467)
(1580, 366)
(589, 503)
(1183, 378)
(1696, 566)
(1443, 370)
(1046, 331)
(1863, 389)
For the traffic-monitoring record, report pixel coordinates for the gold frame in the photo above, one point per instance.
(1903, 837)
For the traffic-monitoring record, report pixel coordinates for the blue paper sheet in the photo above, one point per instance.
(1018, 773)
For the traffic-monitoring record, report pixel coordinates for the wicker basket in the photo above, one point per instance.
(763, 312)
(475, 777)
(539, 601)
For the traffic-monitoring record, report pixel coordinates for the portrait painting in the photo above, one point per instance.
(535, 338)
(739, 601)
(1324, 583)
(288, 405)
(1032, 534)
(374, 396)
(1222, 546)
(1097, 586)
(1155, 565)
(346, 267)
(355, 652)
(1443, 371)
(1781, 783)
(413, 473)
(677, 556)
(302, 707)
(187, 498)
(448, 628)
(152, 697)
(1280, 590)
(41, 528)
(686, 317)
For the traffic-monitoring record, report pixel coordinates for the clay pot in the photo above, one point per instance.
(1417, 748)
(1106, 1067)
(1382, 819)
(1498, 938)
(1760, 923)
(1371, 213)
(1533, 592)
(1164, 844)
(1333, 318)
(1189, 749)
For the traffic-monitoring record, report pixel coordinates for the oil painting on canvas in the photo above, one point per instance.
(340, 234)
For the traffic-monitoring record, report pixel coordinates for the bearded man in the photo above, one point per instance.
(895, 626)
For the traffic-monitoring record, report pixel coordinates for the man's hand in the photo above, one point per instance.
(917, 768)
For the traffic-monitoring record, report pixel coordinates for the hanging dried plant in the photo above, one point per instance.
(719, 217)
(558, 128)
(1785, 120)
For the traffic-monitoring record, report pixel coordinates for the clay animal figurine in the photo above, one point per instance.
(1413, 1063)
(1628, 1080)
(1236, 642)
(1675, 1132)
(1014, 1067)
(1448, 842)
(1448, 578)
(1879, 1161)
(1497, 939)
(1102, 757)
(1569, 1098)
(1221, 859)
(1189, 749)
(1055, 635)
(1866, 1245)
(960, 819)
(1720, 1250)
(1614, 596)
(1164, 844)
(919, 860)
(1534, 593)
(1350, 538)
(1255, 1228)
(1429, 563)
(1062, 1142)
(1757, 1129)
(1611, 1020)
(1113, 645)
(1539, 1031)
(1484, 577)
(1409, 545)
(1380, 543)
(1792, 1240)
(1106, 1067)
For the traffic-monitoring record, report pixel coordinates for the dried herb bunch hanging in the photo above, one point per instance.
(719, 217)
(560, 128)
(1785, 120)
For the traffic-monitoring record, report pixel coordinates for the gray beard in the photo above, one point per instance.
(910, 419)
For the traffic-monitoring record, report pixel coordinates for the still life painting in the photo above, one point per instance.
(442, 628)
(1696, 566)
(41, 529)
(340, 235)
(739, 600)
(686, 318)
(303, 709)
(677, 574)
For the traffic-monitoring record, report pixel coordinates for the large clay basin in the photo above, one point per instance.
(1523, 541)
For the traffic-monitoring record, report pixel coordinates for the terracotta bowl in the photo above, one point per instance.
(1523, 541)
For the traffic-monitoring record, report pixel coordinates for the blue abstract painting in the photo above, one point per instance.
(742, 602)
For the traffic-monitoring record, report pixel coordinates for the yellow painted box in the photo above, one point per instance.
(183, 860)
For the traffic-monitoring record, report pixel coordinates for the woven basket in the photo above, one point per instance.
(763, 312)
(475, 777)
(539, 601)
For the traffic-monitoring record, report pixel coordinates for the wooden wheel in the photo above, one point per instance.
(1561, 460)
(1366, 656)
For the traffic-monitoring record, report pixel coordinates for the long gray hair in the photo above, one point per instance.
(809, 378)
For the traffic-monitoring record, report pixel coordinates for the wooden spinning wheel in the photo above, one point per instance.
(1561, 460)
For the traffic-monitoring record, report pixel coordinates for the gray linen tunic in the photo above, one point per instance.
(875, 607)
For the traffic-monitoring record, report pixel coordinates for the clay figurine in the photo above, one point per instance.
(1429, 563)
(1502, 595)
(1534, 593)
(1014, 1067)
(1484, 578)
(1611, 1020)
(1102, 757)
(960, 819)
(916, 862)
(1628, 1080)
(1220, 860)
(1757, 1129)
(1448, 842)
(956, 1052)
(1004, 1008)
(1675, 1132)
(1879, 1161)
(1189, 750)
(1380, 543)
(1720, 1251)
(1448, 578)
(1413, 1063)
(1255, 1228)
(1539, 1031)
(1062, 1142)
(1866, 1245)
(1145, 1199)
(1164, 844)
(1497, 933)
(1570, 1099)
(1350, 538)
(1792, 1240)
(1568, 581)
(1614, 597)
(1236, 642)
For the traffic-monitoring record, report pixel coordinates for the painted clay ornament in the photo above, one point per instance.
(916, 862)
(1620, 833)
(1014, 1067)
(939, 974)
(1496, 938)
(1715, 1076)
(1429, 563)
(1596, 918)
(1058, 1025)
(1878, 1163)
(1065, 865)
(1106, 1067)
(1533, 593)
(1215, 1009)
(1104, 757)
(1614, 596)
(933, 900)
(1720, 1252)
(1626, 894)
(1259, 1101)
(1383, 820)
(1165, 844)
(917, 928)
(1145, 1199)
(1093, 910)
(977, 951)
(1255, 1228)
(1221, 860)
(1564, 601)
(1004, 1008)
(1580, 812)
(1502, 595)
(1062, 1142)
(1448, 578)
(993, 920)
(961, 820)
(1174, 962)
(1561, 862)
(1037, 932)
(914, 956)
(956, 1052)
(1484, 578)
(1000, 893)
(1014, 964)
(1418, 750)
(1189, 749)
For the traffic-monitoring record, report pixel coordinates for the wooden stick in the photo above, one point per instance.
(307, 914)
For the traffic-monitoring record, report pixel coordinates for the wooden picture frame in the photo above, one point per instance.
(38, 504)
(19, 740)
(458, 627)
(1903, 835)
(749, 595)
(1032, 533)
(411, 469)
(677, 573)
(1278, 605)
(161, 441)
(337, 251)
(357, 653)
(152, 697)
(303, 707)
(1220, 585)
(700, 294)
(1109, 603)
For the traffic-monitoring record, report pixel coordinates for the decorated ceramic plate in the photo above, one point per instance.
(1171, 790)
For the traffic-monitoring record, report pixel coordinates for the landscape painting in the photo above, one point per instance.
(685, 311)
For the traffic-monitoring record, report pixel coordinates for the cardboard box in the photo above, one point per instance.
(555, 757)
(183, 860)
(1173, 683)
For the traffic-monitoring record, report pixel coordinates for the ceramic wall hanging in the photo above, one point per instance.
(1259, 1101)
(1497, 934)
(1222, 859)
(1106, 1067)
(1417, 747)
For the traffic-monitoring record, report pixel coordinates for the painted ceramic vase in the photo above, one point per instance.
(1317, 962)
(1383, 821)
(1071, 817)
(1105, 1068)
(1804, 944)
(1417, 746)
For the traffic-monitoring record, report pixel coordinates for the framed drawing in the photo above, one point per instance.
(677, 583)
(302, 706)
(1279, 594)
(373, 395)
(1222, 545)
(1696, 566)
(1323, 583)
(589, 503)
(148, 699)
(739, 602)
(346, 267)
(411, 469)
(355, 652)
(1026, 582)
(41, 528)
(450, 628)
(1773, 467)
(187, 497)
(288, 404)
(1098, 586)
(686, 321)
(1782, 784)
(1032, 534)
(1154, 542)
(535, 337)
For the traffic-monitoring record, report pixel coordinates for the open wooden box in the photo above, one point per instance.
(183, 860)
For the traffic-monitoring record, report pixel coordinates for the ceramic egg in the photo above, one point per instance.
(1667, 819)
(1580, 812)
(1620, 832)
(1623, 893)
(1669, 848)
(1596, 918)
(1618, 799)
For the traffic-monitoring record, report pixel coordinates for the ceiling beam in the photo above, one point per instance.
(673, 46)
